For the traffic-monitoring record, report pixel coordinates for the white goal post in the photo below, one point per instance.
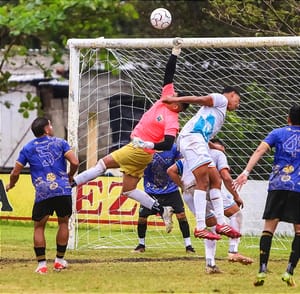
(113, 81)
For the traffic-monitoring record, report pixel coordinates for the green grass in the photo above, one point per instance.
(118, 270)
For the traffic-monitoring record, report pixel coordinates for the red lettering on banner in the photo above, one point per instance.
(115, 207)
(89, 197)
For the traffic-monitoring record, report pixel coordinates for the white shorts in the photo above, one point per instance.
(228, 202)
(195, 150)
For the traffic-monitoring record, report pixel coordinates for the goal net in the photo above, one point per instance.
(114, 81)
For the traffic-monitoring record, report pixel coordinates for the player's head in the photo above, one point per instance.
(184, 106)
(233, 96)
(41, 126)
(218, 144)
(294, 115)
(178, 106)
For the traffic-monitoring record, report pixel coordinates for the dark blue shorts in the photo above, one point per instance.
(61, 205)
(284, 205)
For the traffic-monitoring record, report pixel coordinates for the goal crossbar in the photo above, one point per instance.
(241, 42)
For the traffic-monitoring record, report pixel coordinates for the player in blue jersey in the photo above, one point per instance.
(193, 144)
(158, 185)
(283, 200)
(47, 157)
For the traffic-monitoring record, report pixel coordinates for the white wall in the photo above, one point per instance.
(254, 194)
(13, 126)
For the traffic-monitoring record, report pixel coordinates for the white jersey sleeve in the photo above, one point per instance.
(208, 120)
(219, 159)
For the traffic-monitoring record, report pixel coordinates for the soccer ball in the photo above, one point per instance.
(160, 18)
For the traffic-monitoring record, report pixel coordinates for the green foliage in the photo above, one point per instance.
(258, 17)
(31, 103)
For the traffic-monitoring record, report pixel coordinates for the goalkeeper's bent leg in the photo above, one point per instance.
(91, 173)
(140, 196)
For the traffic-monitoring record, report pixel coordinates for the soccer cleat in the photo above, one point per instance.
(260, 279)
(236, 257)
(60, 265)
(190, 249)
(167, 217)
(42, 270)
(205, 234)
(209, 269)
(227, 231)
(289, 279)
(139, 249)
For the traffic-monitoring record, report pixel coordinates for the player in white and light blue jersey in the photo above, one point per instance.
(193, 145)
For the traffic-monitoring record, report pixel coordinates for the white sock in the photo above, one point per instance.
(200, 208)
(42, 263)
(57, 259)
(91, 173)
(210, 250)
(142, 241)
(189, 200)
(187, 241)
(236, 223)
(141, 197)
(217, 203)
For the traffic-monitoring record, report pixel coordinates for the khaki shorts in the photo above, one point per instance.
(132, 161)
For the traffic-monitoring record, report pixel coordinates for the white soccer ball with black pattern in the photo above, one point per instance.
(160, 18)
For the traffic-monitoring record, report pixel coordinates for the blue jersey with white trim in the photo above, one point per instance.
(156, 179)
(285, 173)
(48, 166)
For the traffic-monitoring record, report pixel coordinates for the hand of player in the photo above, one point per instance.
(8, 187)
(240, 181)
(139, 143)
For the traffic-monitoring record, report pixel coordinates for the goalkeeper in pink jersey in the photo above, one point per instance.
(156, 130)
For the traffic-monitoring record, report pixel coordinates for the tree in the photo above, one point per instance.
(258, 17)
(47, 24)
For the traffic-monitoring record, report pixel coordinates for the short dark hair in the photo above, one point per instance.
(38, 126)
(182, 94)
(294, 115)
(218, 141)
(228, 89)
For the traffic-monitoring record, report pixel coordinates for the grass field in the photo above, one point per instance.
(121, 271)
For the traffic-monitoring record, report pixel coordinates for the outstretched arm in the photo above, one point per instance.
(171, 64)
(255, 157)
(201, 100)
(14, 176)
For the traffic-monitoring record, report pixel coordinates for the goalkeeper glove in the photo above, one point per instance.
(139, 143)
(177, 42)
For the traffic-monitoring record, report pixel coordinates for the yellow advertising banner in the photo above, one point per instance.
(99, 201)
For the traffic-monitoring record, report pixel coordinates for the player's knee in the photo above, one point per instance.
(181, 217)
(142, 220)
